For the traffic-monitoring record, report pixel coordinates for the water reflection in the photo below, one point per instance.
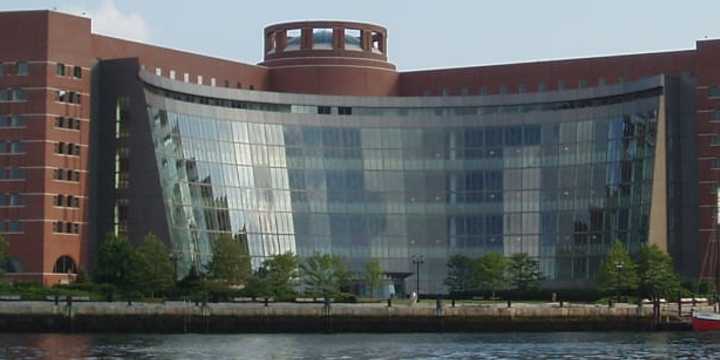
(364, 346)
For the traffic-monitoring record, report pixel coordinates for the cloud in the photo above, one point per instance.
(111, 21)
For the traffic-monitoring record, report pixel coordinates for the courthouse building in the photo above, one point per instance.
(324, 147)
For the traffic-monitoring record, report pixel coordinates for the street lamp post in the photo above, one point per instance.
(417, 260)
(619, 266)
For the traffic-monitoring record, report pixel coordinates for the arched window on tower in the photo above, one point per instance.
(65, 265)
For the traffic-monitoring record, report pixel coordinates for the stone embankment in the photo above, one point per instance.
(181, 317)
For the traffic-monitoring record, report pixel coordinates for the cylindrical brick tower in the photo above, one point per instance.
(329, 57)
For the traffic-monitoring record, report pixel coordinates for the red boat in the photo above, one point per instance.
(705, 321)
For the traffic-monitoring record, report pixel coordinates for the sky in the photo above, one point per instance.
(421, 34)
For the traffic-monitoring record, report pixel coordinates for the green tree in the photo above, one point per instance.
(657, 276)
(461, 275)
(374, 274)
(618, 273)
(491, 272)
(116, 263)
(156, 269)
(4, 246)
(230, 261)
(275, 277)
(325, 275)
(524, 271)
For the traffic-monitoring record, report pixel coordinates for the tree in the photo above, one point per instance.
(116, 263)
(657, 276)
(275, 277)
(4, 246)
(491, 272)
(461, 275)
(618, 273)
(373, 275)
(524, 271)
(325, 275)
(230, 263)
(156, 269)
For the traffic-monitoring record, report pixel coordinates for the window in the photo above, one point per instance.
(714, 91)
(60, 70)
(503, 89)
(67, 123)
(226, 83)
(59, 200)
(345, 110)
(212, 82)
(2, 70)
(541, 86)
(17, 147)
(18, 95)
(582, 84)
(77, 72)
(378, 43)
(199, 79)
(561, 85)
(483, 91)
(521, 88)
(715, 140)
(324, 110)
(21, 68)
(715, 115)
(602, 82)
(17, 121)
(323, 38)
(270, 42)
(715, 163)
(172, 74)
(353, 39)
(15, 199)
(15, 227)
(12, 121)
(292, 39)
(17, 173)
(158, 71)
(186, 77)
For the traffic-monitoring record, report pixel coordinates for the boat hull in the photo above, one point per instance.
(706, 322)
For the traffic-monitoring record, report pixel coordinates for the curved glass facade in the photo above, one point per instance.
(559, 185)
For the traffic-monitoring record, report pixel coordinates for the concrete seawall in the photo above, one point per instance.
(178, 317)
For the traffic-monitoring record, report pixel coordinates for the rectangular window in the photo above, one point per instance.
(292, 39)
(561, 85)
(353, 39)
(322, 38)
(483, 91)
(521, 88)
(158, 71)
(60, 70)
(199, 79)
(15, 199)
(15, 227)
(212, 82)
(21, 68)
(714, 91)
(172, 74)
(186, 77)
(17, 147)
(715, 115)
(18, 95)
(344, 110)
(503, 89)
(582, 84)
(715, 163)
(541, 86)
(17, 121)
(324, 110)
(602, 82)
(77, 72)
(715, 141)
